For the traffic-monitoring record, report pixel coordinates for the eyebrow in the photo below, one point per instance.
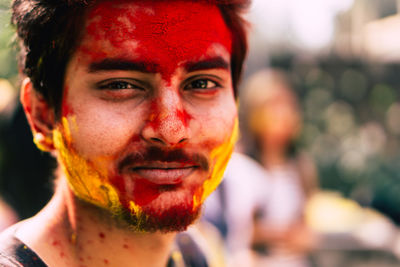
(147, 67)
(122, 64)
(211, 63)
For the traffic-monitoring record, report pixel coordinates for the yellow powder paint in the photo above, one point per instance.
(42, 142)
(86, 181)
(134, 207)
(92, 185)
(220, 156)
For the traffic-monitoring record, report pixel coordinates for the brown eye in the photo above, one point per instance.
(202, 84)
(119, 85)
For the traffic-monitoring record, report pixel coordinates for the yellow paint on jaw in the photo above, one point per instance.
(92, 185)
(134, 207)
(220, 156)
(86, 181)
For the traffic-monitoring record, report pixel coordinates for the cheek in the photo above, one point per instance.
(216, 125)
(96, 132)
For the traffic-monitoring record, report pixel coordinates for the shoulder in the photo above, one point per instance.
(8, 243)
(201, 245)
(14, 253)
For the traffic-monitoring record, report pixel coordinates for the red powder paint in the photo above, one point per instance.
(183, 116)
(143, 193)
(165, 36)
(135, 138)
(156, 117)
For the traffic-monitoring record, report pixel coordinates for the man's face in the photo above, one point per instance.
(148, 115)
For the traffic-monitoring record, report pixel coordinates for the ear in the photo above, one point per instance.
(40, 116)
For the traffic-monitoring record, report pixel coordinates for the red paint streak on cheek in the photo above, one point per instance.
(66, 109)
(183, 116)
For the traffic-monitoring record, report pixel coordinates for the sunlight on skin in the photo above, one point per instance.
(167, 103)
(87, 182)
(220, 156)
(93, 185)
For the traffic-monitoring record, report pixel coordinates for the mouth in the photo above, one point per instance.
(170, 173)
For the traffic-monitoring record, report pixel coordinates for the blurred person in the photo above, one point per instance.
(136, 100)
(231, 207)
(281, 236)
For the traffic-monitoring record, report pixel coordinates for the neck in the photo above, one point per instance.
(78, 233)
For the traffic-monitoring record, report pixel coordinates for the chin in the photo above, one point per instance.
(174, 219)
(170, 212)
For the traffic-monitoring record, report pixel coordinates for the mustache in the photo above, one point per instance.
(151, 154)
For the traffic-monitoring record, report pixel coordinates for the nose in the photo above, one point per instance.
(167, 123)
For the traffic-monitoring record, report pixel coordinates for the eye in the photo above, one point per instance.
(202, 84)
(119, 89)
(119, 85)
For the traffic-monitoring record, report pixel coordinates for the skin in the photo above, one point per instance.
(148, 124)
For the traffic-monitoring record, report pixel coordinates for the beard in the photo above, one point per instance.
(134, 208)
(174, 219)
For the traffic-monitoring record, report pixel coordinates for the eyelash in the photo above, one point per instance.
(206, 81)
(195, 83)
(119, 84)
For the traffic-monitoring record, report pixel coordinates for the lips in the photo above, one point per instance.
(161, 166)
(164, 176)
(162, 173)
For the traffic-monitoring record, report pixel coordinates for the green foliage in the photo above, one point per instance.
(8, 66)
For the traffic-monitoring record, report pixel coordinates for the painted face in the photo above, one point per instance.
(149, 118)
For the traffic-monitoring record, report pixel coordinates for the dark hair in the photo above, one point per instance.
(49, 32)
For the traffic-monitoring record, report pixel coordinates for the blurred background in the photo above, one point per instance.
(343, 61)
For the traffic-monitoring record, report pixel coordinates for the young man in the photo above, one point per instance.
(136, 101)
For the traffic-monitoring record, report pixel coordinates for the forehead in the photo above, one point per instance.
(155, 30)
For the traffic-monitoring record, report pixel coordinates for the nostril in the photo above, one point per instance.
(182, 141)
(157, 140)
